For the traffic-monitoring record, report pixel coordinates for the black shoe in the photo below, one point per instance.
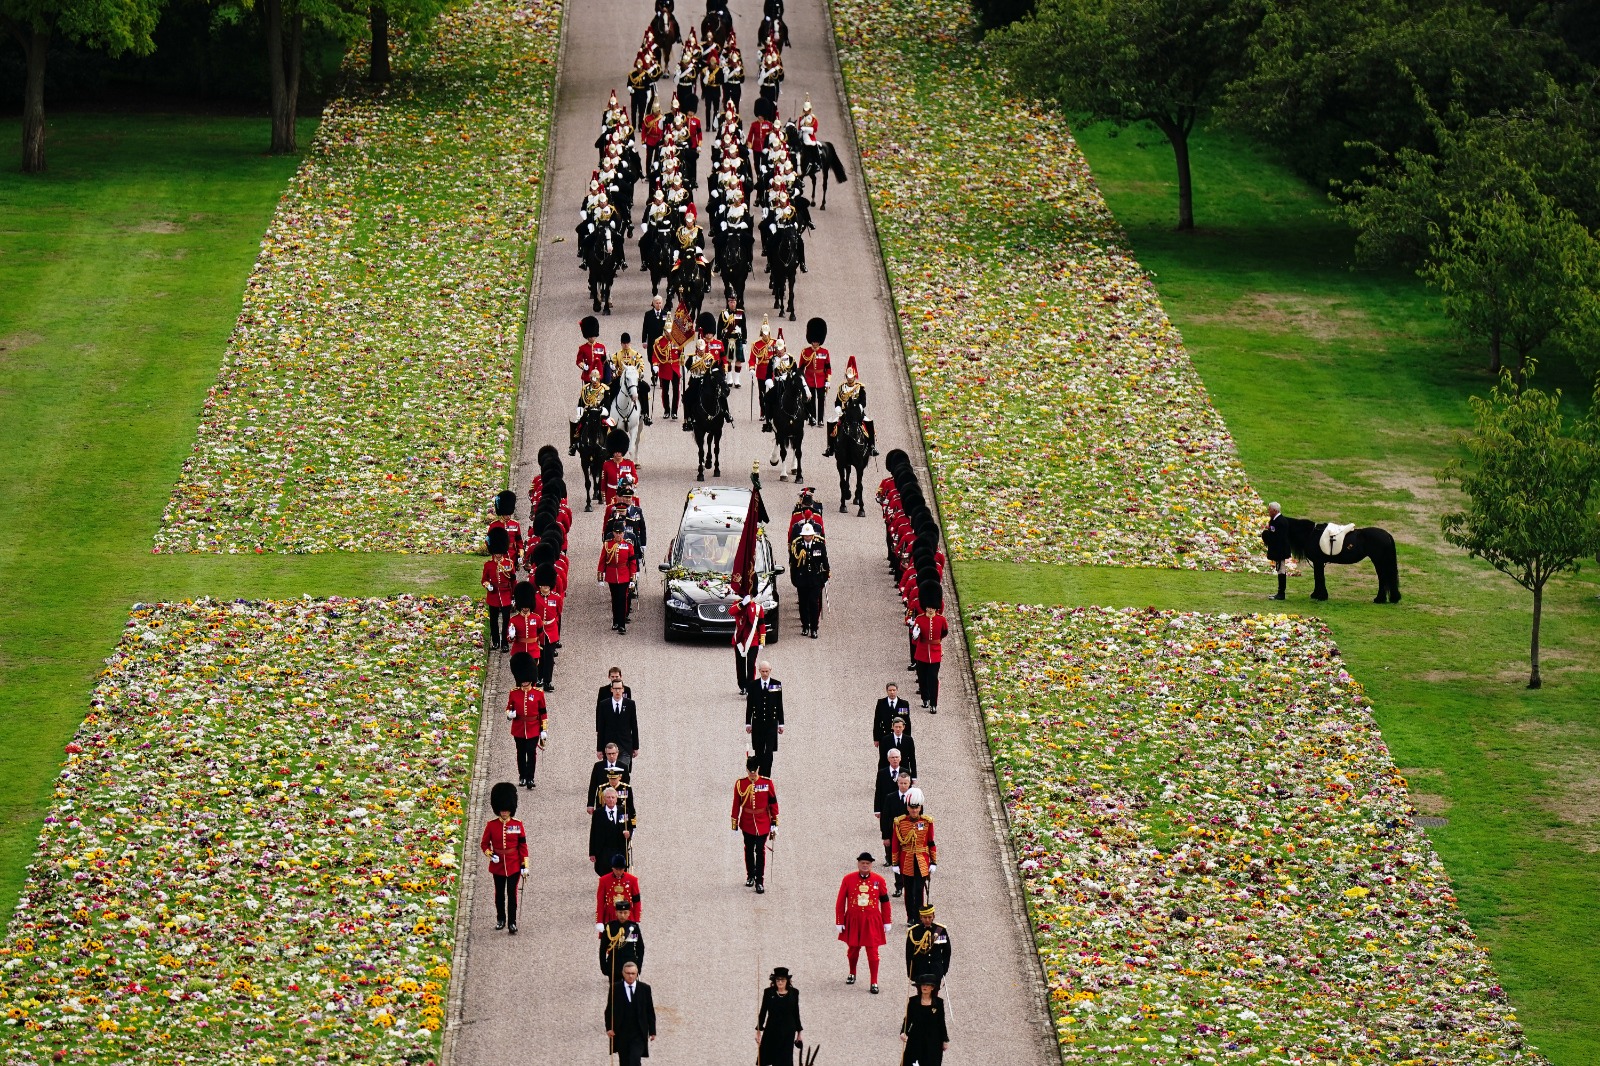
(499, 923)
(828, 451)
(513, 929)
(549, 688)
(741, 692)
(644, 266)
(582, 265)
(911, 669)
(686, 427)
(873, 990)
(1279, 596)
(761, 888)
(850, 980)
(749, 882)
(647, 421)
(572, 449)
(813, 633)
(532, 783)
(623, 630)
(932, 709)
(766, 427)
(897, 892)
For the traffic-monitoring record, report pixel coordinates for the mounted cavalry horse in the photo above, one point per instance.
(1322, 543)
(851, 451)
(788, 403)
(602, 258)
(816, 160)
(706, 412)
(592, 432)
(626, 414)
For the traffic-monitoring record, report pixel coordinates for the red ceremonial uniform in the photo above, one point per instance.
(695, 137)
(616, 562)
(760, 130)
(564, 520)
(514, 530)
(528, 711)
(755, 806)
(816, 365)
(927, 643)
(800, 518)
(508, 846)
(863, 909)
(614, 887)
(749, 618)
(716, 350)
(667, 357)
(499, 575)
(524, 632)
(912, 850)
(650, 130)
(549, 608)
(591, 356)
(612, 471)
(761, 356)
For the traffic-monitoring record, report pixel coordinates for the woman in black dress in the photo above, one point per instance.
(778, 1025)
(923, 1032)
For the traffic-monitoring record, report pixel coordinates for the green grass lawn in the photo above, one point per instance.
(1345, 391)
(121, 271)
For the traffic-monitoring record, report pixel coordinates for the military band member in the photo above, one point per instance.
(763, 715)
(755, 815)
(817, 369)
(914, 852)
(614, 887)
(927, 635)
(526, 711)
(615, 570)
(808, 556)
(641, 84)
(591, 353)
(927, 948)
(505, 844)
(862, 916)
(621, 941)
(609, 833)
(749, 634)
(499, 577)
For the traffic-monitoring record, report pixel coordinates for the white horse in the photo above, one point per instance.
(626, 414)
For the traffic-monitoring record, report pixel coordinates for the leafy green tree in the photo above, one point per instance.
(409, 16)
(1514, 276)
(115, 25)
(284, 24)
(1162, 62)
(1528, 483)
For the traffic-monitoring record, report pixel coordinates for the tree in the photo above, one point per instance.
(1165, 62)
(115, 25)
(408, 16)
(992, 14)
(1511, 275)
(284, 24)
(1528, 483)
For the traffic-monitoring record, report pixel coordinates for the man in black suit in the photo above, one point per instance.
(609, 830)
(603, 697)
(656, 321)
(616, 721)
(763, 715)
(888, 709)
(611, 760)
(899, 739)
(630, 1017)
(891, 805)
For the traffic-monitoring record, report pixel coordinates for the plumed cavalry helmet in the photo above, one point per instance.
(617, 441)
(524, 595)
(505, 503)
(499, 540)
(523, 668)
(590, 326)
(503, 798)
(816, 331)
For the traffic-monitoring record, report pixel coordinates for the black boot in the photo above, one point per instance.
(1283, 587)
(572, 439)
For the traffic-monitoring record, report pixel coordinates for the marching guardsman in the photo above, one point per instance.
(763, 716)
(505, 510)
(666, 352)
(749, 634)
(615, 570)
(627, 356)
(499, 578)
(614, 887)
(617, 467)
(762, 126)
(761, 366)
(547, 578)
(591, 353)
(505, 844)
(808, 555)
(928, 631)
(914, 852)
(755, 814)
(621, 942)
(862, 916)
(730, 329)
(526, 711)
(591, 397)
(852, 393)
(927, 948)
(817, 368)
(523, 628)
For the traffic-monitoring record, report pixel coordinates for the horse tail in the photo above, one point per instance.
(835, 165)
(1386, 560)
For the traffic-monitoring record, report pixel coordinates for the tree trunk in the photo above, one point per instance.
(1177, 134)
(378, 68)
(1494, 352)
(1538, 609)
(36, 46)
(283, 70)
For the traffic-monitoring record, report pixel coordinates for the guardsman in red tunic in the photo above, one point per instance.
(505, 842)
(616, 467)
(526, 711)
(928, 631)
(816, 369)
(863, 916)
(650, 131)
(749, 633)
(523, 629)
(499, 577)
(591, 353)
(615, 886)
(616, 568)
(666, 354)
(548, 608)
(710, 343)
(505, 510)
(755, 814)
(761, 351)
(913, 852)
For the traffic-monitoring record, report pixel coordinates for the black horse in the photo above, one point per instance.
(851, 451)
(603, 257)
(816, 160)
(733, 263)
(716, 26)
(592, 453)
(707, 415)
(690, 283)
(1301, 537)
(655, 249)
(773, 26)
(783, 258)
(788, 404)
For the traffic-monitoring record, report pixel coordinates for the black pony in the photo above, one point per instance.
(1301, 537)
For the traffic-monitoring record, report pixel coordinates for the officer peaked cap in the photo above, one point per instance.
(499, 540)
(523, 595)
(590, 326)
(522, 668)
(503, 798)
(505, 503)
(816, 331)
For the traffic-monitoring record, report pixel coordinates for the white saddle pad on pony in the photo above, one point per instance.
(1332, 540)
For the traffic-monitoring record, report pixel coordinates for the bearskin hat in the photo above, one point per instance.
(544, 574)
(816, 331)
(503, 798)
(615, 527)
(554, 490)
(766, 109)
(929, 535)
(523, 668)
(706, 323)
(896, 458)
(543, 522)
(689, 101)
(547, 453)
(617, 441)
(931, 594)
(505, 504)
(590, 326)
(524, 596)
(926, 574)
(499, 540)
(543, 554)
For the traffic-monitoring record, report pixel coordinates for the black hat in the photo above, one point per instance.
(689, 101)
(543, 522)
(503, 798)
(925, 911)
(626, 337)
(624, 904)
(590, 326)
(499, 540)
(929, 534)
(619, 861)
(524, 595)
(931, 595)
(523, 668)
(505, 503)
(927, 979)
(548, 452)
(766, 109)
(866, 856)
(780, 971)
(706, 323)
(896, 457)
(554, 489)
(816, 331)
(615, 527)
(551, 469)
(544, 574)
(617, 441)
(542, 555)
(752, 763)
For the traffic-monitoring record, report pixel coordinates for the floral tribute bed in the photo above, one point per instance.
(252, 851)
(365, 399)
(1063, 419)
(1218, 855)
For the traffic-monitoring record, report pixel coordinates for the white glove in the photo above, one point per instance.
(887, 930)
(599, 927)
(934, 868)
(916, 632)
(489, 586)
(511, 716)
(839, 928)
